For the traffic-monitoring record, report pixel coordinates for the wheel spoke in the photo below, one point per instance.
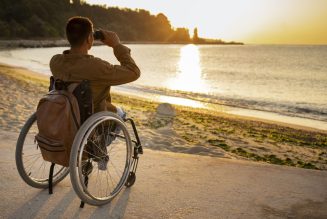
(98, 147)
(108, 154)
(116, 171)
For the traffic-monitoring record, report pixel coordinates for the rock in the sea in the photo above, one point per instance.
(166, 109)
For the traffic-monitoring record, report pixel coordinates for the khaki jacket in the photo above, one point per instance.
(101, 74)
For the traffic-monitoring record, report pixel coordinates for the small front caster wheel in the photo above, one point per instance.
(131, 179)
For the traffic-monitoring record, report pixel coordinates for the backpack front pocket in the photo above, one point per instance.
(53, 151)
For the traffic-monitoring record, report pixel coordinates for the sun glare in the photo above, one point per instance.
(249, 21)
(189, 74)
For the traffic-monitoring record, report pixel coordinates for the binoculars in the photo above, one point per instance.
(98, 35)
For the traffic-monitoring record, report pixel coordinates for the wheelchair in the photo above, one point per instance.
(103, 159)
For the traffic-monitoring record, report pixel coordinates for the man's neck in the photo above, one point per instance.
(78, 50)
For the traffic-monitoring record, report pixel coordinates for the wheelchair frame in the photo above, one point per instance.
(136, 147)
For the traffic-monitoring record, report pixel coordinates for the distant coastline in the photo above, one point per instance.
(22, 43)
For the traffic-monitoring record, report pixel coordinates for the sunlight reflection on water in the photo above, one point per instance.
(189, 73)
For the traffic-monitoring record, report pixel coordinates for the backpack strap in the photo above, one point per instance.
(72, 86)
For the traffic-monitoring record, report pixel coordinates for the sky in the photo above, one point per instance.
(249, 21)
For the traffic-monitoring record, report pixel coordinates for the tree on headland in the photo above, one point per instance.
(195, 35)
(198, 40)
(180, 35)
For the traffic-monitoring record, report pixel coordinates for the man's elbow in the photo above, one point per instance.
(136, 73)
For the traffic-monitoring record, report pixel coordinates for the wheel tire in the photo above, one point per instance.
(44, 183)
(77, 150)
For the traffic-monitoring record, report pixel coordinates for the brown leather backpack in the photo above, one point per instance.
(58, 119)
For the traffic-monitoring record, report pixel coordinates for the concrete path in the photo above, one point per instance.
(171, 185)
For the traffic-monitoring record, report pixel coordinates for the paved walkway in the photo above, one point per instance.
(171, 185)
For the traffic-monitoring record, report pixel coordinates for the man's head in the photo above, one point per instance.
(79, 32)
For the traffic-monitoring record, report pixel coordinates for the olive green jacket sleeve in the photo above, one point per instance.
(124, 73)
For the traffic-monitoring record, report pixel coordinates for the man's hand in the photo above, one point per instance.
(110, 38)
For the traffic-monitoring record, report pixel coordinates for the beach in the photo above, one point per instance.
(229, 100)
(191, 131)
(175, 185)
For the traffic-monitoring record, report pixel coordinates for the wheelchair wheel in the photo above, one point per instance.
(100, 159)
(29, 162)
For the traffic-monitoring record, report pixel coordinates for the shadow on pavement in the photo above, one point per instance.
(115, 209)
(32, 206)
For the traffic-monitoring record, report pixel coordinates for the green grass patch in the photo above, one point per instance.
(219, 143)
(306, 165)
(273, 159)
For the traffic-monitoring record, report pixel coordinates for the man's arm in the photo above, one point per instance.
(127, 71)
(124, 73)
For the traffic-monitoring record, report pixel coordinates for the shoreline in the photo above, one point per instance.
(186, 99)
(282, 110)
(256, 114)
(192, 131)
(45, 43)
(252, 114)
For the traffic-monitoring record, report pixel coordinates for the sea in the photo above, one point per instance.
(285, 83)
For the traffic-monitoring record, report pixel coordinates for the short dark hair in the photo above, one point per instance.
(78, 30)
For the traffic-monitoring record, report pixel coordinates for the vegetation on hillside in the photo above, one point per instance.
(27, 19)
(46, 19)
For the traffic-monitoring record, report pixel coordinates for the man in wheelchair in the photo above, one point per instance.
(76, 64)
(72, 131)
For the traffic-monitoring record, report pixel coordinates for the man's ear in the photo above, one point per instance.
(89, 39)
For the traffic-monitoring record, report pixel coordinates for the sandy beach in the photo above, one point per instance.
(176, 185)
(198, 164)
(191, 131)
